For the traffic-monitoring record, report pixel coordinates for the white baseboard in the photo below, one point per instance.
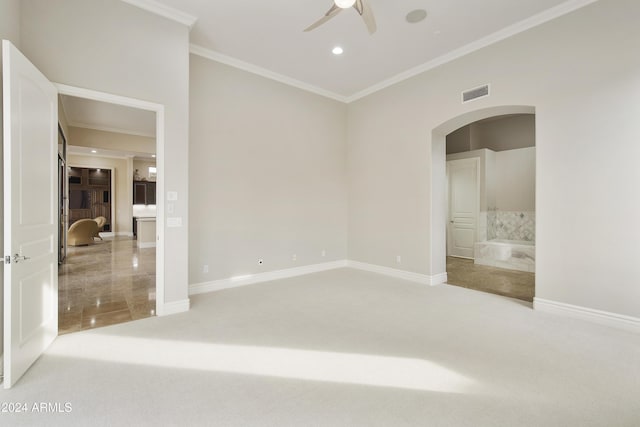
(143, 245)
(173, 307)
(439, 279)
(619, 321)
(425, 279)
(233, 282)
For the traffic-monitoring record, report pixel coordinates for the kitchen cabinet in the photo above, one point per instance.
(144, 193)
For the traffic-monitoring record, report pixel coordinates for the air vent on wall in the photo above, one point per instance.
(475, 93)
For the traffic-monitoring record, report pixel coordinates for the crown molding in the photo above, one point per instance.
(164, 11)
(81, 125)
(92, 155)
(519, 27)
(245, 66)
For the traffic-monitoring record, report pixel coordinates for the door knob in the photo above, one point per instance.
(17, 258)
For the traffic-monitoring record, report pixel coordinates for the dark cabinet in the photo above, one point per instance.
(139, 193)
(151, 193)
(144, 193)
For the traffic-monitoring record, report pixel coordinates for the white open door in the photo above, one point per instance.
(464, 205)
(30, 120)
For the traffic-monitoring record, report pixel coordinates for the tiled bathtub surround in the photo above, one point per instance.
(509, 254)
(510, 225)
(483, 226)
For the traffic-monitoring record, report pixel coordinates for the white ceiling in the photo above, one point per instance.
(87, 113)
(266, 36)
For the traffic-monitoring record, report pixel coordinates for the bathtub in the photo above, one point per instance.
(510, 254)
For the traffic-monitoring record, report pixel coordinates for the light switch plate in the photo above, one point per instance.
(174, 222)
(172, 195)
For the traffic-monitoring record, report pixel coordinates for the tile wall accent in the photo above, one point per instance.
(491, 225)
(482, 226)
(509, 225)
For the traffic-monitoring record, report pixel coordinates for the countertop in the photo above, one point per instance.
(145, 218)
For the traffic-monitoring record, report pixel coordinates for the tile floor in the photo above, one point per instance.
(509, 283)
(111, 281)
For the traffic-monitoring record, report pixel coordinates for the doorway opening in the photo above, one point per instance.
(488, 200)
(108, 275)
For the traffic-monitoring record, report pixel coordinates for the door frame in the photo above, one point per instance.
(478, 164)
(160, 144)
(438, 185)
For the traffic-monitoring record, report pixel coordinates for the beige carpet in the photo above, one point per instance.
(340, 348)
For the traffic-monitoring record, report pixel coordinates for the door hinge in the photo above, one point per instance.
(7, 259)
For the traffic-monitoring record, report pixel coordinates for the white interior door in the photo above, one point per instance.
(30, 122)
(464, 206)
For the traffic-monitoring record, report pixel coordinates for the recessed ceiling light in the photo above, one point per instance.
(337, 50)
(344, 4)
(153, 155)
(416, 16)
(94, 151)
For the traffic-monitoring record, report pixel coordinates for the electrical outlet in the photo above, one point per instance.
(205, 268)
(294, 257)
(323, 253)
(260, 261)
(399, 259)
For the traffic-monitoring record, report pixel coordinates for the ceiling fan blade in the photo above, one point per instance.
(362, 7)
(330, 14)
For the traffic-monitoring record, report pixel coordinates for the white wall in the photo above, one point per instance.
(497, 133)
(10, 21)
(506, 133)
(515, 175)
(580, 74)
(459, 141)
(122, 192)
(120, 49)
(267, 174)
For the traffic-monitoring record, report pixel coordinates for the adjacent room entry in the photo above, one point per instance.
(32, 187)
(109, 273)
(490, 202)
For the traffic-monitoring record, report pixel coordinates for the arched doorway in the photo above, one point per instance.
(438, 182)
